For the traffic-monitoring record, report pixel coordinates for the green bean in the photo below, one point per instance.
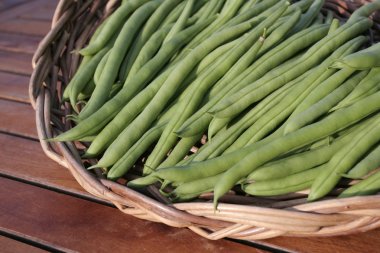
(241, 65)
(293, 183)
(342, 161)
(276, 115)
(306, 160)
(329, 19)
(367, 186)
(83, 76)
(279, 33)
(147, 52)
(259, 11)
(364, 59)
(196, 187)
(366, 165)
(364, 11)
(241, 100)
(334, 25)
(118, 51)
(318, 19)
(87, 90)
(227, 140)
(303, 5)
(66, 92)
(200, 87)
(126, 162)
(146, 32)
(369, 82)
(247, 5)
(125, 116)
(324, 105)
(174, 14)
(165, 93)
(322, 90)
(99, 119)
(308, 17)
(196, 170)
(100, 67)
(216, 125)
(218, 52)
(181, 149)
(181, 22)
(304, 136)
(222, 18)
(200, 120)
(113, 23)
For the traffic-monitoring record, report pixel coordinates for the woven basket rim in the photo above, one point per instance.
(247, 222)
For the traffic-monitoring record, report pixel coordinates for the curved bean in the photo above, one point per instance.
(156, 105)
(342, 161)
(118, 51)
(239, 101)
(113, 23)
(304, 136)
(289, 184)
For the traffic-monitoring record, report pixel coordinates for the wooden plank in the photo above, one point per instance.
(12, 246)
(17, 118)
(77, 224)
(345, 244)
(8, 4)
(44, 13)
(18, 63)
(28, 6)
(23, 26)
(19, 42)
(14, 87)
(24, 159)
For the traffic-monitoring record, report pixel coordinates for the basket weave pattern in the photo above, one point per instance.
(246, 218)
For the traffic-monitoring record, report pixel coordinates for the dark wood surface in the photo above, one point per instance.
(44, 209)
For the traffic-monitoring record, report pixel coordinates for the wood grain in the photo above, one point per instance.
(14, 87)
(338, 244)
(8, 4)
(12, 246)
(76, 224)
(17, 63)
(19, 42)
(18, 10)
(29, 27)
(44, 13)
(17, 118)
(24, 159)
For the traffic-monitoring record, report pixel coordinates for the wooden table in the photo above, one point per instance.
(44, 209)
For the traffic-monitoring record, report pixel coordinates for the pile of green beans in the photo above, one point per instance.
(251, 97)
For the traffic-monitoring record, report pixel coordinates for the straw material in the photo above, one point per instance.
(240, 217)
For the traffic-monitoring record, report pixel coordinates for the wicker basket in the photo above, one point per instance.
(246, 218)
